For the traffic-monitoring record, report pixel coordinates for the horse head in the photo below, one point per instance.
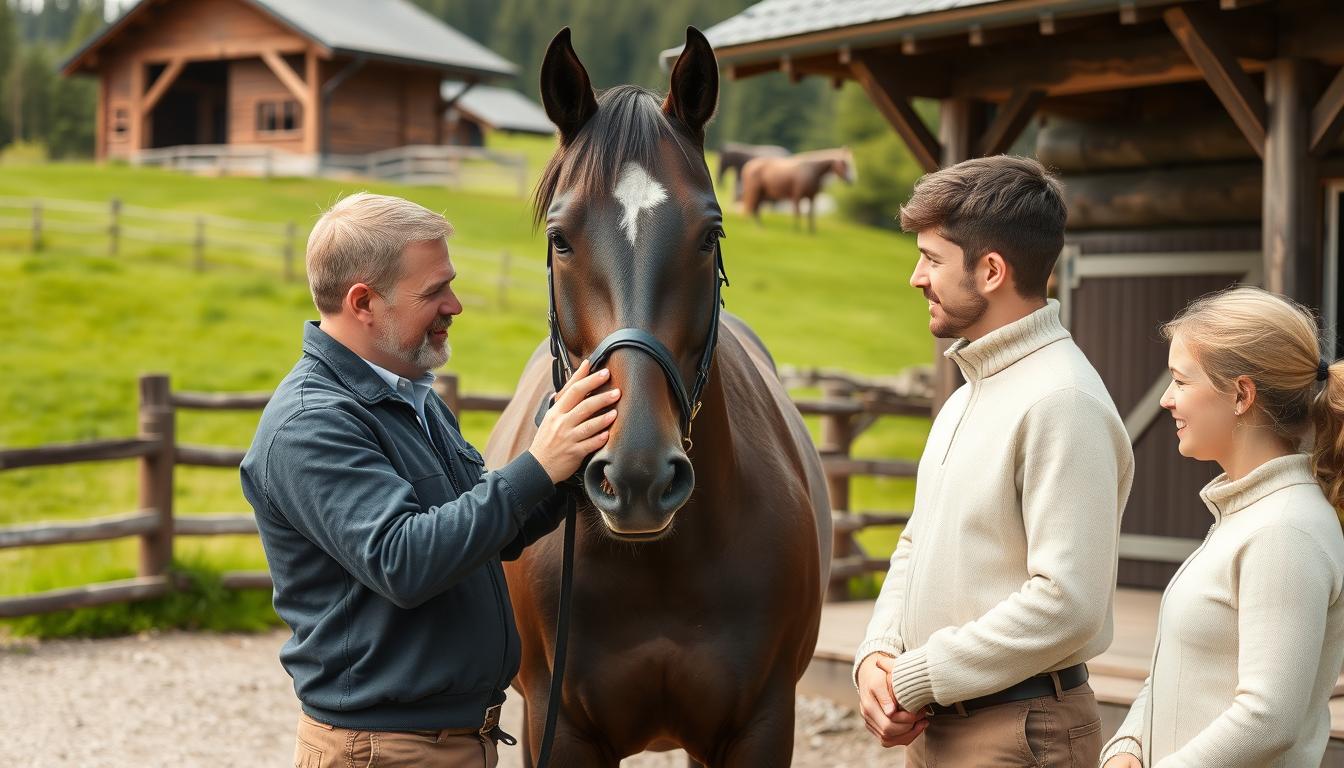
(633, 229)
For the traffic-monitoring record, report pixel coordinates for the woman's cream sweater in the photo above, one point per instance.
(1250, 634)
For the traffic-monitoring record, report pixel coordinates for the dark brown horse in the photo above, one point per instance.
(733, 156)
(700, 569)
(796, 178)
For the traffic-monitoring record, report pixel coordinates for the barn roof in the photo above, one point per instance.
(393, 30)
(502, 109)
(775, 27)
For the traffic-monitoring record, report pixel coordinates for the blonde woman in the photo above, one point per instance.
(1251, 630)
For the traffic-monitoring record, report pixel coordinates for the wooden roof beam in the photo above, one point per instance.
(161, 84)
(289, 78)
(895, 107)
(1210, 53)
(1009, 121)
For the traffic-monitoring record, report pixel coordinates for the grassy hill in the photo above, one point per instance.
(82, 326)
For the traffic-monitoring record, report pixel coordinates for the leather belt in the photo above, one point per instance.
(1048, 684)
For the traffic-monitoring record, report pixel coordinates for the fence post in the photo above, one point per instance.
(199, 244)
(157, 422)
(37, 226)
(837, 439)
(291, 231)
(447, 387)
(114, 227)
(504, 259)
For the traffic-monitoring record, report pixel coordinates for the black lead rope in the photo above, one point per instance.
(687, 402)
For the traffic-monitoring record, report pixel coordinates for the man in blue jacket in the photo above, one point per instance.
(382, 530)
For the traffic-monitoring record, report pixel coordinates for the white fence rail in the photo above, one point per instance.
(428, 164)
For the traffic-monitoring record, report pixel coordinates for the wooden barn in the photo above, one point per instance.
(1198, 141)
(313, 78)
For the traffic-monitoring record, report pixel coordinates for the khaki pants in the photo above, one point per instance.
(326, 746)
(1047, 732)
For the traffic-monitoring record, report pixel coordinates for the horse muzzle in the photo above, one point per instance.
(638, 496)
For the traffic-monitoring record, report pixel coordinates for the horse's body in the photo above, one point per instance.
(693, 634)
(733, 156)
(796, 178)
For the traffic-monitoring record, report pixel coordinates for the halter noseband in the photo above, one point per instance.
(688, 401)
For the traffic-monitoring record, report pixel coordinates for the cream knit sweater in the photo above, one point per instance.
(1007, 567)
(1251, 632)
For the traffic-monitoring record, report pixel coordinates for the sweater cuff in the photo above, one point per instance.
(910, 681)
(1122, 745)
(887, 646)
(527, 483)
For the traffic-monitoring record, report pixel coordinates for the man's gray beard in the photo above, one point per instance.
(423, 356)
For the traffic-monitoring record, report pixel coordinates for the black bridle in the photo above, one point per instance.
(688, 402)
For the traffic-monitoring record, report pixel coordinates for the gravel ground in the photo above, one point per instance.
(180, 699)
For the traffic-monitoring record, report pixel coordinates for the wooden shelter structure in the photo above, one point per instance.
(480, 109)
(1198, 141)
(309, 77)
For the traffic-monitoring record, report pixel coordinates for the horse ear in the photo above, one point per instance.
(695, 84)
(566, 91)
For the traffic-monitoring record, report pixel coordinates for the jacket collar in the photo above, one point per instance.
(1224, 497)
(349, 368)
(1004, 346)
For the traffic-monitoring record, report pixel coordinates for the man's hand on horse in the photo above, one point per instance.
(884, 718)
(574, 427)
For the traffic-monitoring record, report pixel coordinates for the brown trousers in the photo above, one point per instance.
(1047, 732)
(326, 746)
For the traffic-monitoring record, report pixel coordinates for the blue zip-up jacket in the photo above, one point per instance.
(385, 547)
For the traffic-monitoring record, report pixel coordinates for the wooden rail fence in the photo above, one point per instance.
(845, 411)
(115, 223)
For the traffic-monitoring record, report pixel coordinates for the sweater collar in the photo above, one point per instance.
(1224, 497)
(1004, 346)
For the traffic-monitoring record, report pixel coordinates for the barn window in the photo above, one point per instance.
(277, 116)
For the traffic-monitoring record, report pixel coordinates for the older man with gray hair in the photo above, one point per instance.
(382, 530)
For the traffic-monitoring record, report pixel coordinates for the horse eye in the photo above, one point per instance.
(558, 242)
(712, 239)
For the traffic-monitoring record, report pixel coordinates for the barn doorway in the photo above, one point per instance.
(195, 110)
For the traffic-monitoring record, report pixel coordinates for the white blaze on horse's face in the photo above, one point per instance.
(636, 191)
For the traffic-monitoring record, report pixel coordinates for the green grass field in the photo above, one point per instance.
(81, 327)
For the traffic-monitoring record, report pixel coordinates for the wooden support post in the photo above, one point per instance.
(113, 227)
(198, 244)
(37, 226)
(157, 423)
(447, 387)
(837, 439)
(896, 108)
(1214, 59)
(291, 233)
(312, 111)
(1291, 200)
(136, 115)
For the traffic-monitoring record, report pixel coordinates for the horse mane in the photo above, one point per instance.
(628, 126)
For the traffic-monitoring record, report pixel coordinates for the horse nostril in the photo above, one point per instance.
(601, 491)
(679, 486)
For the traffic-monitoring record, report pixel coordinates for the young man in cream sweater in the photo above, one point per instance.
(1002, 584)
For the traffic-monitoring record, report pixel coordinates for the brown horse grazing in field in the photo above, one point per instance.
(700, 567)
(733, 156)
(796, 178)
